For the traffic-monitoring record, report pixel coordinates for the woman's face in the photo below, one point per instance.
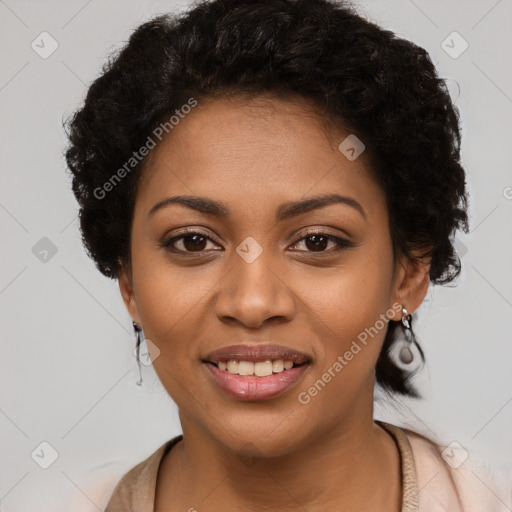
(258, 274)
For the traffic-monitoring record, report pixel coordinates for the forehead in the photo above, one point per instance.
(254, 152)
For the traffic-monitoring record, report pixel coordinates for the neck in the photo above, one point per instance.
(355, 463)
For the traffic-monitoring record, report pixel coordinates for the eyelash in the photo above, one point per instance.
(342, 244)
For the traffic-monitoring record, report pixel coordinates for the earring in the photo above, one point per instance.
(406, 353)
(138, 333)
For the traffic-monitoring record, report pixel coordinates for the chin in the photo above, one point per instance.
(261, 435)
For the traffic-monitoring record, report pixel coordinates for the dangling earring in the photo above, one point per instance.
(406, 353)
(138, 330)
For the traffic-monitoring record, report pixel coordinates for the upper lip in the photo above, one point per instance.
(257, 352)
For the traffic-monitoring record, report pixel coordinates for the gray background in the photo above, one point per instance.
(67, 374)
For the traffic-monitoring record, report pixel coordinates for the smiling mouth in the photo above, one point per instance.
(256, 380)
(256, 368)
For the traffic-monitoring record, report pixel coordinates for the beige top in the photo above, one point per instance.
(434, 479)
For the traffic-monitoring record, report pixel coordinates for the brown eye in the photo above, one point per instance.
(194, 242)
(318, 243)
(187, 243)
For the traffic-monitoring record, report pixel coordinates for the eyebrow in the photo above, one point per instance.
(284, 212)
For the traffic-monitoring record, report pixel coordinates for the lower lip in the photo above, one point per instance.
(250, 387)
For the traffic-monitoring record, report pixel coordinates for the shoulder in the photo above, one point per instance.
(136, 489)
(451, 477)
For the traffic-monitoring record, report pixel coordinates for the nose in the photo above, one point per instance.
(253, 293)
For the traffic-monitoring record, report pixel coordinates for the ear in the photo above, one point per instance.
(411, 283)
(125, 280)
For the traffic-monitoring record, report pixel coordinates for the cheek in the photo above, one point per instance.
(351, 328)
(172, 311)
(350, 302)
(171, 304)
(349, 322)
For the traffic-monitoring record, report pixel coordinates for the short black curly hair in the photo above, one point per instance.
(383, 88)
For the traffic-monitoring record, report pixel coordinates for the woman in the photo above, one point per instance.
(275, 184)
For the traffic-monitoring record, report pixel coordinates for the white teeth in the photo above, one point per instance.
(232, 366)
(278, 366)
(246, 368)
(260, 368)
(263, 368)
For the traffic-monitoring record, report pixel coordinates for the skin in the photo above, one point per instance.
(253, 155)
